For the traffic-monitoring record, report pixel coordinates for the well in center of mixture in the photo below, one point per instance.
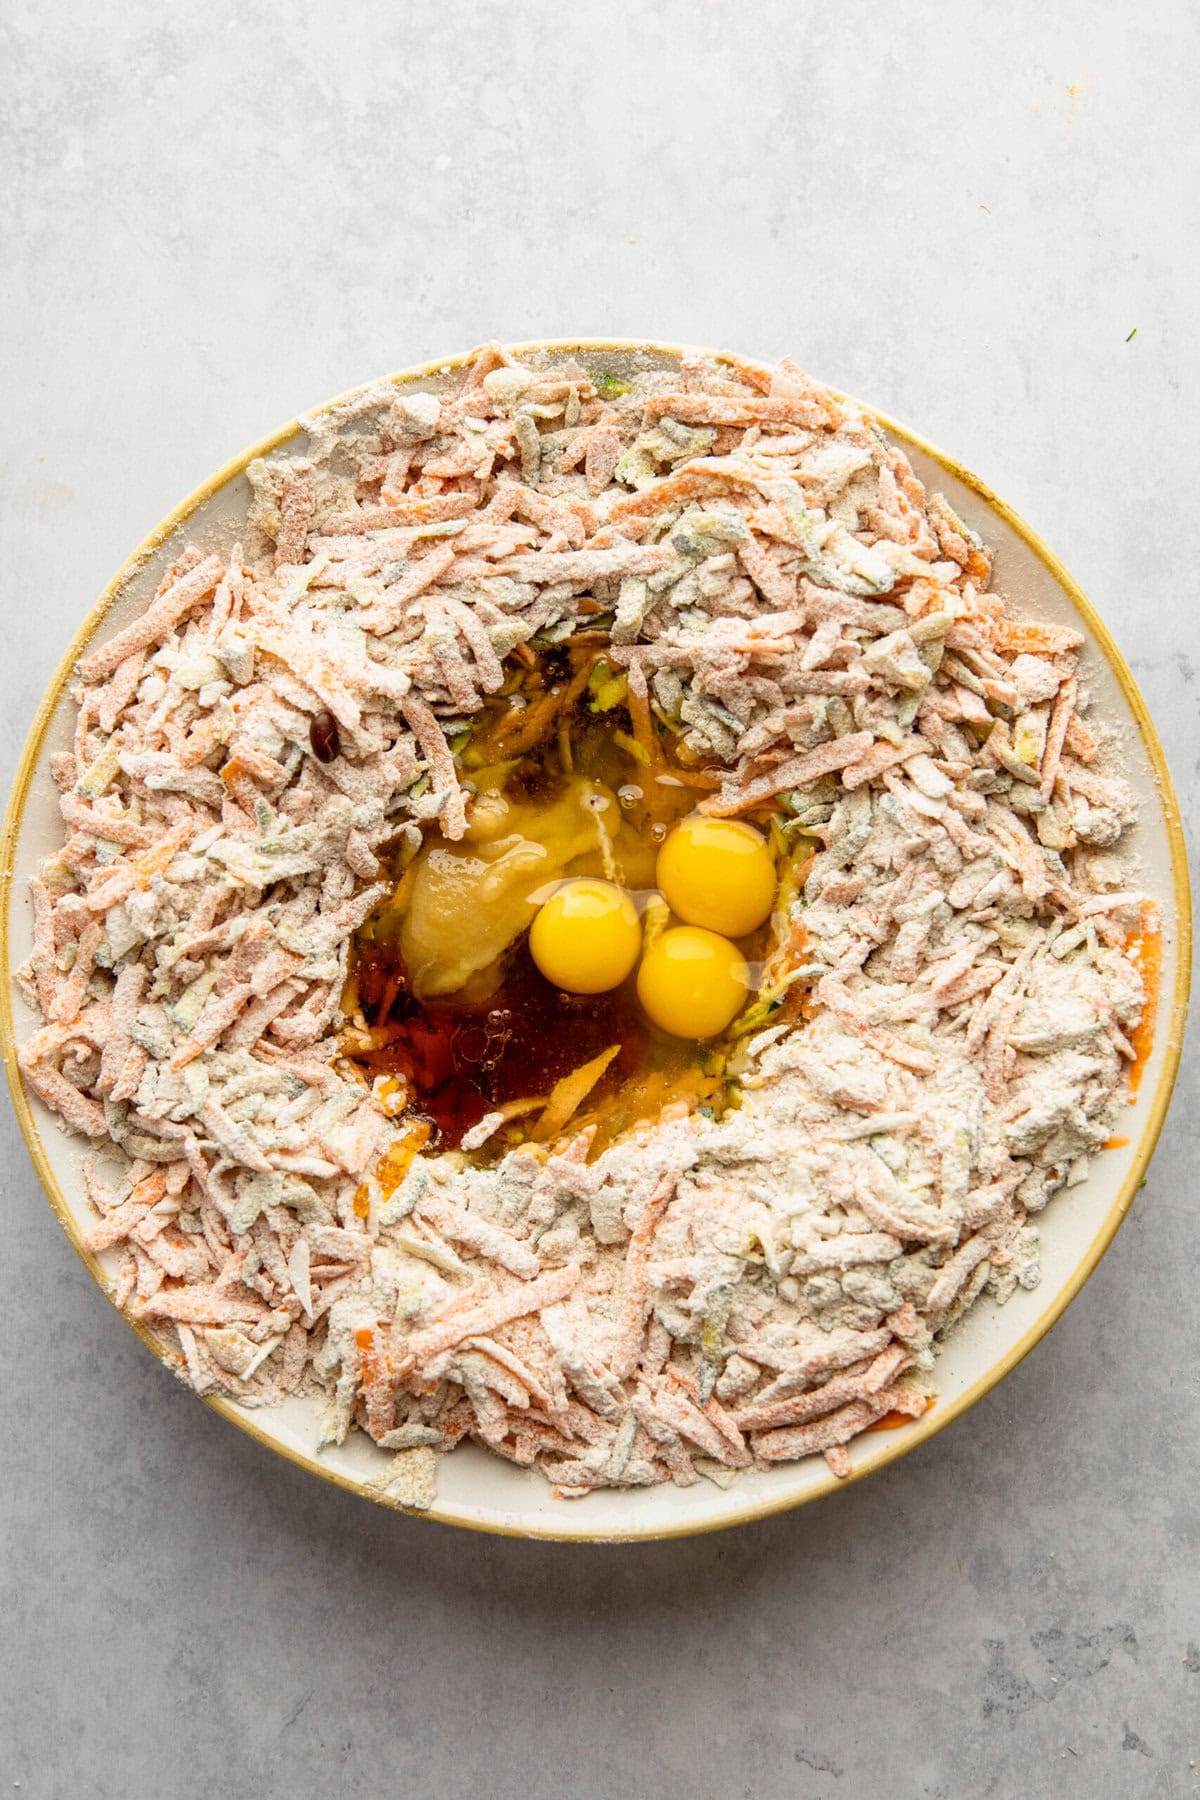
(592, 950)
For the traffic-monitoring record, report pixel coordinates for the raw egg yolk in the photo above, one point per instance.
(586, 937)
(692, 982)
(718, 873)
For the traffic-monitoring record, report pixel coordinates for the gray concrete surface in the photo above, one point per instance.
(215, 214)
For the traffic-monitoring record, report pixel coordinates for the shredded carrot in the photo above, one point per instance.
(638, 700)
(152, 862)
(691, 778)
(685, 484)
(517, 1109)
(365, 1339)
(1080, 741)
(1019, 636)
(1144, 948)
(354, 1042)
(520, 730)
(568, 1095)
(397, 1159)
(393, 1097)
(377, 1380)
(892, 1421)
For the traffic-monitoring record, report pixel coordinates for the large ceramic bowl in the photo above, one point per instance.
(476, 1489)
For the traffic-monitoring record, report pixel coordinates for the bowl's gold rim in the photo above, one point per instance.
(938, 1417)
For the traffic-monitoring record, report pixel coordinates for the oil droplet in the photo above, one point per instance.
(629, 796)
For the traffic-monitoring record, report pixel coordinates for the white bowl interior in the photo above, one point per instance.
(479, 1490)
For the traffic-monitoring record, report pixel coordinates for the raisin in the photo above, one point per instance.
(323, 736)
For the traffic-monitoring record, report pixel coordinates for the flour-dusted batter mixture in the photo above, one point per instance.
(779, 625)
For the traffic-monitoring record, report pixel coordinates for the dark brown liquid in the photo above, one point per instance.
(464, 1061)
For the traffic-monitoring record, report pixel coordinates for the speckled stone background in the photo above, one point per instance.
(216, 214)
